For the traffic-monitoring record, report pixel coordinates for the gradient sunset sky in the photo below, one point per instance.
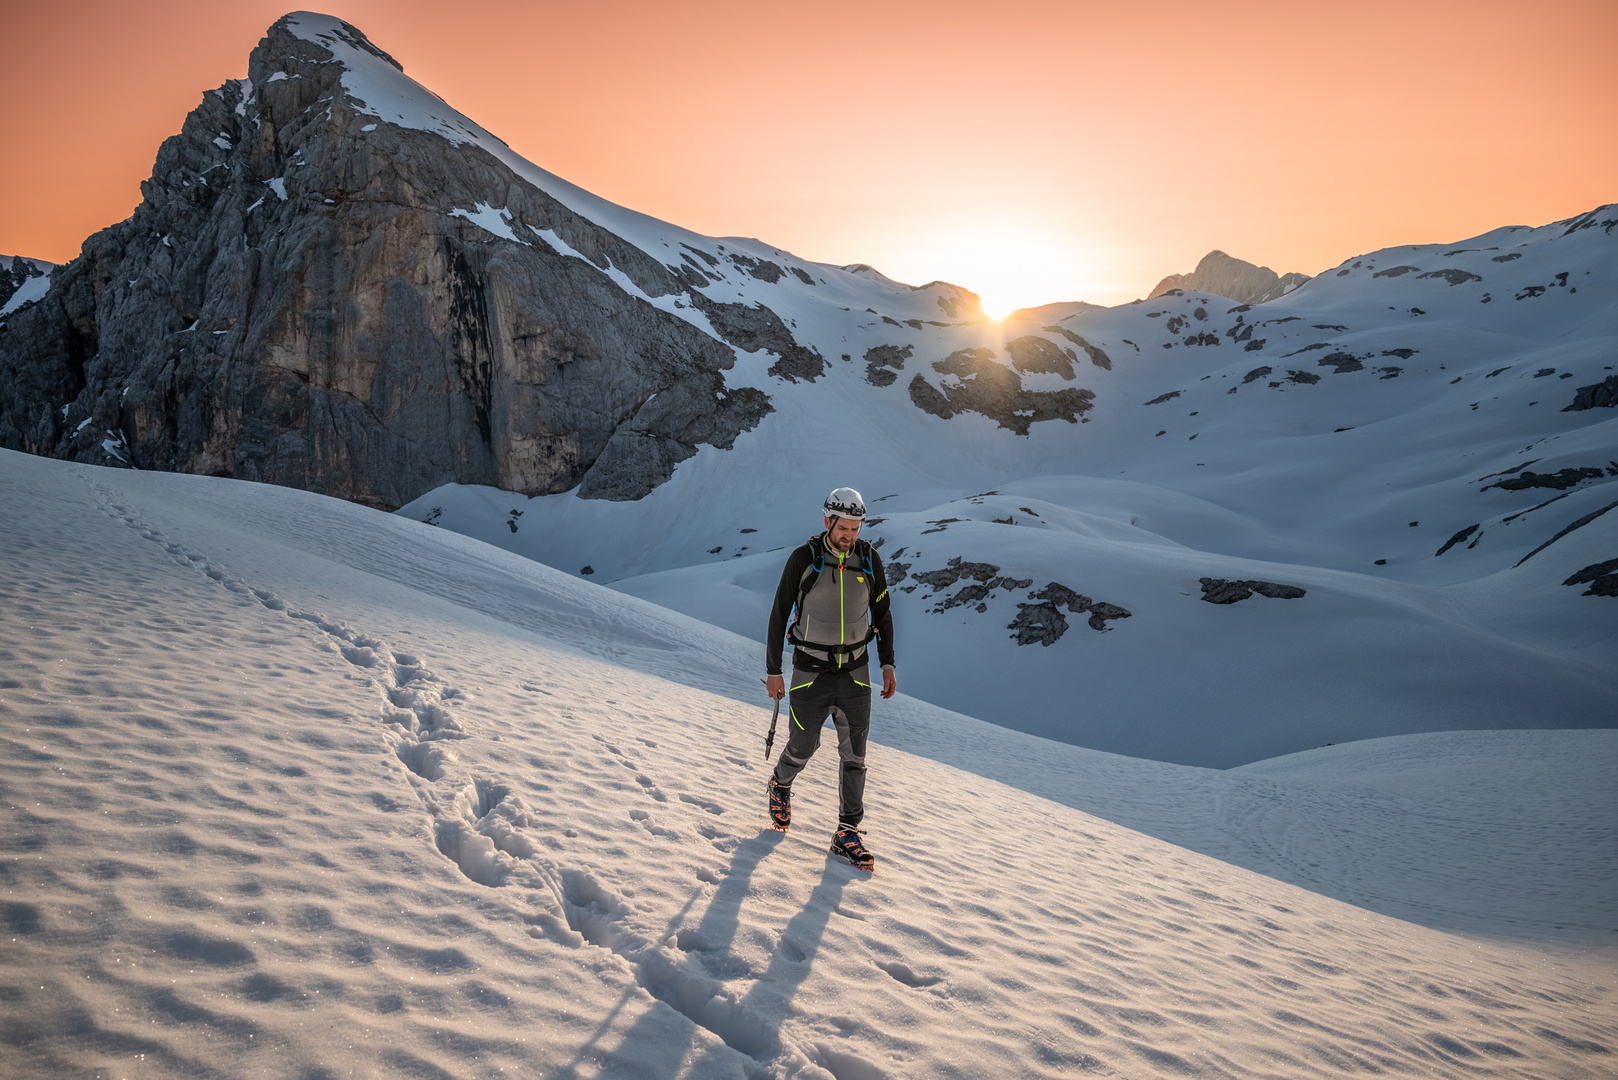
(1032, 152)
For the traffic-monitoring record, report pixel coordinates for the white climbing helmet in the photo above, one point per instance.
(845, 502)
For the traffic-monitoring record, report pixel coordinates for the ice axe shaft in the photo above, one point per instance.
(769, 740)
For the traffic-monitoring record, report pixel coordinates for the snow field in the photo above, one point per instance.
(297, 787)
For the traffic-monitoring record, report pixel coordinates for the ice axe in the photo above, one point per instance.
(769, 740)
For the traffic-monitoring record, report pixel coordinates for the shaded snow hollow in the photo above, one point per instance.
(300, 789)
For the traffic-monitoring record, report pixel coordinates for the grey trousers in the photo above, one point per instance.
(846, 697)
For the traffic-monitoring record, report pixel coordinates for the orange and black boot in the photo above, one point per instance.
(780, 805)
(846, 842)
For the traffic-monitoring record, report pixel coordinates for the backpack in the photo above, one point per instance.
(862, 549)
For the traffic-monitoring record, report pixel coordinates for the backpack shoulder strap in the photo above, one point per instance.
(817, 562)
(864, 549)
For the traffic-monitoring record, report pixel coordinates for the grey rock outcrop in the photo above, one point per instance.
(1044, 622)
(1241, 281)
(884, 362)
(1601, 395)
(985, 386)
(296, 301)
(1226, 591)
(1602, 578)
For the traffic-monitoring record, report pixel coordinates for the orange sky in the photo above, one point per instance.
(1030, 151)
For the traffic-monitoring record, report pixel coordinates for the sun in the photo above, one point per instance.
(1009, 264)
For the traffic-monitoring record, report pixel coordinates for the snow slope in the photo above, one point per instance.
(297, 788)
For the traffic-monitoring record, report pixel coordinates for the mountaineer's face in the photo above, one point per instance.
(843, 533)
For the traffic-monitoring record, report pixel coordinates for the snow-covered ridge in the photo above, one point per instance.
(737, 268)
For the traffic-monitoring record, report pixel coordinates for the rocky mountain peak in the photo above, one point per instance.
(332, 283)
(1233, 278)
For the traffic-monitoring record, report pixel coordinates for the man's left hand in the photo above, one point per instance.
(890, 683)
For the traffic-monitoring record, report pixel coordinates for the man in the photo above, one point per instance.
(836, 595)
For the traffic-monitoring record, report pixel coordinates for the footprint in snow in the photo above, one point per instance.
(904, 974)
(712, 807)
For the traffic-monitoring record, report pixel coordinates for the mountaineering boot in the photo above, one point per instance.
(780, 805)
(846, 842)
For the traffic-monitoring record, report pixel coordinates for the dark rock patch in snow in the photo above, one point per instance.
(1044, 622)
(1097, 357)
(1343, 362)
(1560, 480)
(1458, 538)
(1036, 355)
(752, 327)
(883, 362)
(995, 391)
(711, 260)
(983, 578)
(1228, 591)
(1403, 354)
(763, 269)
(1256, 373)
(1396, 271)
(1170, 396)
(953, 571)
(1602, 578)
(1390, 372)
(1507, 258)
(1454, 277)
(1601, 395)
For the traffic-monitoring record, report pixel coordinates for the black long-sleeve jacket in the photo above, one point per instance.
(834, 611)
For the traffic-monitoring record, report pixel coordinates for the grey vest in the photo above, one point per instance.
(834, 614)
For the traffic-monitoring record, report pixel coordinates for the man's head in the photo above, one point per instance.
(845, 513)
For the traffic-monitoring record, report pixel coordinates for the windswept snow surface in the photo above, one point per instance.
(300, 789)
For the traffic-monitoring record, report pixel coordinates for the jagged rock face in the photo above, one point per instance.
(1222, 275)
(294, 302)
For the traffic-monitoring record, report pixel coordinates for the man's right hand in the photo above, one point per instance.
(775, 686)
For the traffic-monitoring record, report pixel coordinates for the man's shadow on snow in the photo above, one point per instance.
(750, 1024)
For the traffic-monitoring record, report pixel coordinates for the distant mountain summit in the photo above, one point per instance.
(1240, 281)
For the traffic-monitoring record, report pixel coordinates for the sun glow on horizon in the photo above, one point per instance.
(1009, 264)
